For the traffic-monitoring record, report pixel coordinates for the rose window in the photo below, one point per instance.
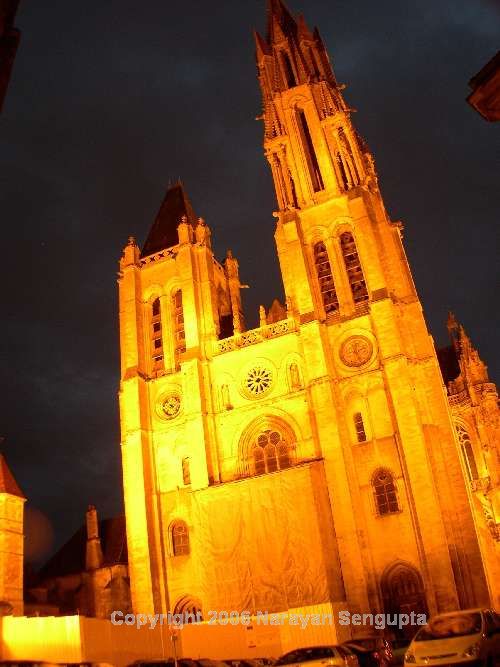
(171, 406)
(258, 381)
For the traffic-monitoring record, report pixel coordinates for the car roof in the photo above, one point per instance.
(309, 648)
(475, 610)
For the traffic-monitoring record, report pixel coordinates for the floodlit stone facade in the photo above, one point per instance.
(11, 542)
(314, 459)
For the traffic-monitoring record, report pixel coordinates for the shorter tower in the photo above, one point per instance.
(11, 540)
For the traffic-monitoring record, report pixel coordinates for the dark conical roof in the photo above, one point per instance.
(7, 482)
(163, 233)
(70, 558)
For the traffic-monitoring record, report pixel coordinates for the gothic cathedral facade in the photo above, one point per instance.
(313, 460)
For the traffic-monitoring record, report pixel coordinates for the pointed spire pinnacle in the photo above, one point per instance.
(472, 368)
(304, 32)
(451, 323)
(280, 22)
(93, 555)
(163, 233)
(7, 482)
(262, 316)
(261, 46)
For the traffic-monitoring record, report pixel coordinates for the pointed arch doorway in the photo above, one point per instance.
(403, 592)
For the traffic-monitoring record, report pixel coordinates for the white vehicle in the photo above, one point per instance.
(314, 656)
(470, 638)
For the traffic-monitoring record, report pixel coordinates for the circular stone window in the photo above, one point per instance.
(356, 351)
(170, 406)
(258, 381)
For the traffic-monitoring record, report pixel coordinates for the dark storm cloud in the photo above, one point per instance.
(111, 100)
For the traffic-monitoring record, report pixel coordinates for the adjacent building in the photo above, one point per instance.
(11, 542)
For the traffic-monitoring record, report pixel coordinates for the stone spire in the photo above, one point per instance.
(473, 370)
(93, 557)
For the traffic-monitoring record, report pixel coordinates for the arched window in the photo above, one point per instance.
(314, 63)
(360, 427)
(325, 278)
(270, 453)
(310, 153)
(343, 174)
(259, 462)
(186, 471)
(348, 158)
(190, 608)
(180, 539)
(467, 452)
(384, 490)
(353, 268)
(156, 336)
(179, 333)
(284, 460)
(288, 70)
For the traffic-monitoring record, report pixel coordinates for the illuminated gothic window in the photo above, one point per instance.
(179, 332)
(288, 70)
(360, 427)
(310, 153)
(270, 453)
(384, 490)
(180, 539)
(325, 278)
(190, 608)
(353, 268)
(186, 471)
(467, 452)
(156, 336)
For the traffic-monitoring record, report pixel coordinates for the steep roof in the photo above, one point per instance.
(70, 559)
(7, 482)
(163, 233)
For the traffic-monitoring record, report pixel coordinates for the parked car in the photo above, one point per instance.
(470, 637)
(371, 651)
(341, 656)
(399, 648)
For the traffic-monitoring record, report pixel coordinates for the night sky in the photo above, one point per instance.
(111, 99)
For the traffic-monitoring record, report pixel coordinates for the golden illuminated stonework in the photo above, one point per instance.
(356, 351)
(171, 406)
(258, 381)
(325, 429)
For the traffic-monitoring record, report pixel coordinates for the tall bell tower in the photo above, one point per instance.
(348, 282)
(321, 168)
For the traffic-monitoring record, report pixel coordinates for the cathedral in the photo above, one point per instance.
(329, 456)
